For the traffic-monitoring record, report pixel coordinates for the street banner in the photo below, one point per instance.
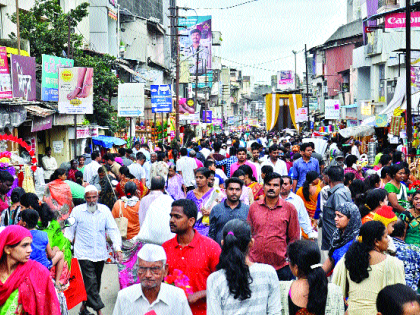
(195, 42)
(186, 106)
(131, 100)
(207, 116)
(23, 77)
(218, 122)
(161, 98)
(285, 80)
(302, 114)
(75, 90)
(42, 123)
(49, 84)
(332, 109)
(398, 20)
(5, 81)
(381, 120)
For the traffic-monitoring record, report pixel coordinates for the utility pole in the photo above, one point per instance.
(177, 72)
(295, 53)
(68, 56)
(118, 37)
(408, 72)
(307, 88)
(196, 78)
(17, 26)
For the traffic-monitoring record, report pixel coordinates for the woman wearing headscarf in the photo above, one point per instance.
(25, 285)
(128, 207)
(348, 223)
(58, 195)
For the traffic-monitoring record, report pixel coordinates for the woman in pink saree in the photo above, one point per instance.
(58, 195)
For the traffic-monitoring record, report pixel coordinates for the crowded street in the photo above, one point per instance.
(194, 157)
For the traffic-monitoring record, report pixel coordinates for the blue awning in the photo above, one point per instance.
(108, 142)
(350, 106)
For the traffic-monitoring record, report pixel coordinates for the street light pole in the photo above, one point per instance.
(295, 53)
(307, 88)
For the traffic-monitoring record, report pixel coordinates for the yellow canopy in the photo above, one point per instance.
(272, 106)
(14, 51)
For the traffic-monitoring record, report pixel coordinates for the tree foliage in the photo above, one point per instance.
(46, 27)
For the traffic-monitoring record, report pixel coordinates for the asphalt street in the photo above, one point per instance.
(109, 290)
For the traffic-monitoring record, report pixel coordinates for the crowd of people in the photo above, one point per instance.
(250, 223)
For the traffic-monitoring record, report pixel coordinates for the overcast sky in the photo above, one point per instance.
(264, 30)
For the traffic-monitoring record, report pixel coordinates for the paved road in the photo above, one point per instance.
(109, 290)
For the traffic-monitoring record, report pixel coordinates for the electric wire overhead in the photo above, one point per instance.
(229, 7)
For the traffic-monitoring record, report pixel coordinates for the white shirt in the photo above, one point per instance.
(137, 170)
(146, 153)
(89, 232)
(280, 167)
(50, 165)
(187, 165)
(170, 301)
(147, 166)
(258, 168)
(303, 217)
(91, 170)
(355, 151)
(205, 152)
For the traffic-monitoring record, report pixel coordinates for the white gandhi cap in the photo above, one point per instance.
(152, 253)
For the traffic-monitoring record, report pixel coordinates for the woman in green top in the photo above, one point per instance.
(397, 191)
(412, 218)
(81, 166)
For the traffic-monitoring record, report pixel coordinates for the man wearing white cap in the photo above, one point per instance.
(152, 296)
(93, 220)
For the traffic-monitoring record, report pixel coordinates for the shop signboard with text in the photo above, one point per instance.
(75, 90)
(50, 69)
(332, 109)
(161, 98)
(285, 80)
(42, 123)
(5, 81)
(23, 77)
(398, 20)
(130, 100)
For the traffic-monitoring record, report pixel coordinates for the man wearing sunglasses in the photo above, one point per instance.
(151, 296)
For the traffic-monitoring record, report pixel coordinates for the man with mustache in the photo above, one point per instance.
(190, 252)
(151, 294)
(274, 223)
(93, 220)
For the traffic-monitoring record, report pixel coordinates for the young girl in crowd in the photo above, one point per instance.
(310, 293)
(240, 286)
(41, 249)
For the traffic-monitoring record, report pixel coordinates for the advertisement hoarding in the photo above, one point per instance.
(5, 81)
(207, 116)
(23, 77)
(161, 96)
(75, 90)
(332, 109)
(397, 20)
(285, 80)
(196, 41)
(131, 100)
(50, 67)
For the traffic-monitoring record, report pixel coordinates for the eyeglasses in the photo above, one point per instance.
(154, 270)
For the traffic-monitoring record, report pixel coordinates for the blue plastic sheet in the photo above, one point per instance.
(108, 142)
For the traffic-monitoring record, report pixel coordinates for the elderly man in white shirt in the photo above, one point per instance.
(152, 296)
(92, 221)
(91, 170)
(304, 221)
(49, 164)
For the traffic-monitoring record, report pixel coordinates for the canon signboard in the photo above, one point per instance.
(397, 20)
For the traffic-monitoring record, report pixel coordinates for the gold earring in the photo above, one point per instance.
(7, 253)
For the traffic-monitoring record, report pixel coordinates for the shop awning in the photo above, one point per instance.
(358, 131)
(39, 111)
(108, 142)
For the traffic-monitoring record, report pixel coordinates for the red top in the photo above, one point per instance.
(197, 261)
(272, 230)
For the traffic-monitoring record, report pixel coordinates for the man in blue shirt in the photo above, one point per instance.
(304, 165)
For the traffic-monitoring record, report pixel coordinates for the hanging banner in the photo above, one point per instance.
(186, 106)
(381, 120)
(207, 116)
(5, 81)
(332, 109)
(218, 122)
(50, 67)
(195, 42)
(395, 126)
(301, 114)
(131, 99)
(161, 98)
(75, 90)
(23, 77)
